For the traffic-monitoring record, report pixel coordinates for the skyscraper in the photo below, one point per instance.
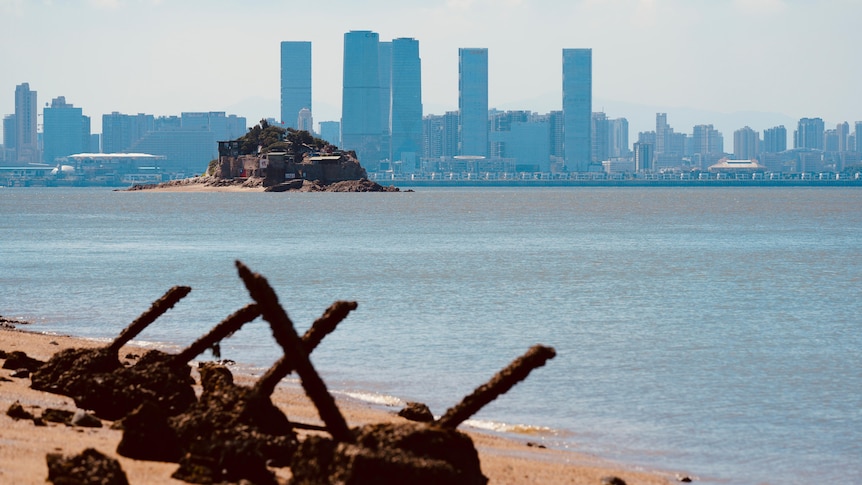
(843, 132)
(66, 130)
(577, 108)
(618, 133)
(384, 83)
(746, 144)
(406, 106)
(26, 112)
(599, 138)
(295, 80)
(120, 131)
(809, 134)
(331, 132)
(774, 139)
(360, 106)
(473, 101)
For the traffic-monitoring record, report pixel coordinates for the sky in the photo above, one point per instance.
(727, 62)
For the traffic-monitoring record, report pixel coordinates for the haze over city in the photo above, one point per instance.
(730, 63)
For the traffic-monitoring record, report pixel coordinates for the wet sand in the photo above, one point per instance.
(23, 446)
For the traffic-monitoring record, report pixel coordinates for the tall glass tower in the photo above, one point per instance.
(295, 81)
(26, 112)
(406, 106)
(577, 108)
(360, 105)
(66, 131)
(384, 81)
(473, 102)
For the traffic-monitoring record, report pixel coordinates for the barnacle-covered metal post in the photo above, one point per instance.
(286, 336)
(165, 379)
(504, 380)
(221, 331)
(70, 369)
(157, 309)
(321, 327)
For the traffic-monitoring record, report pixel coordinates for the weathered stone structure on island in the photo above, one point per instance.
(279, 167)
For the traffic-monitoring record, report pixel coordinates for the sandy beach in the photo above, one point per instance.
(23, 446)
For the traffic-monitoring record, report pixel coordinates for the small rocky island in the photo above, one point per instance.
(273, 159)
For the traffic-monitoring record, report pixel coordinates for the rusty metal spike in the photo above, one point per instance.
(221, 331)
(160, 306)
(286, 336)
(504, 380)
(321, 327)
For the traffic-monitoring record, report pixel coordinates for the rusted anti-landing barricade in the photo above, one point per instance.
(157, 309)
(321, 327)
(504, 380)
(162, 378)
(224, 329)
(412, 452)
(70, 369)
(233, 431)
(285, 334)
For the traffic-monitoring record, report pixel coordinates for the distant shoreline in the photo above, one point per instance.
(627, 183)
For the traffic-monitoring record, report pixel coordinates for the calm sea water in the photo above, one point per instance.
(711, 331)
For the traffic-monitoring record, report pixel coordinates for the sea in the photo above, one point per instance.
(710, 332)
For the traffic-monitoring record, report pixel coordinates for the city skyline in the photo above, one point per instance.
(670, 56)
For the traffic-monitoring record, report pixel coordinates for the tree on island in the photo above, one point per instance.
(274, 138)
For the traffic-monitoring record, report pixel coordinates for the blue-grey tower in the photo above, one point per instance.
(66, 131)
(295, 81)
(26, 112)
(406, 107)
(384, 81)
(577, 108)
(360, 105)
(473, 101)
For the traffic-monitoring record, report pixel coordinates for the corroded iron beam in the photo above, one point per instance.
(321, 327)
(498, 385)
(160, 306)
(286, 336)
(221, 331)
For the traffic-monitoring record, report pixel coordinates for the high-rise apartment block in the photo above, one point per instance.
(577, 108)
(473, 101)
(295, 81)
(599, 147)
(305, 122)
(774, 140)
(361, 116)
(746, 144)
(9, 139)
(26, 115)
(406, 105)
(842, 131)
(66, 131)
(809, 134)
(331, 132)
(618, 137)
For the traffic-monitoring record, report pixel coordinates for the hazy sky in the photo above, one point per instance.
(694, 59)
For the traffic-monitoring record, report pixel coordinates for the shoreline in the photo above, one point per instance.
(505, 457)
